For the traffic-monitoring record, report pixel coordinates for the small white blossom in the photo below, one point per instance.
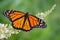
(43, 15)
(2, 36)
(6, 31)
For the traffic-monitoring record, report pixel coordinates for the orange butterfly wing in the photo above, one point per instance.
(15, 15)
(18, 23)
(34, 21)
(17, 19)
(26, 25)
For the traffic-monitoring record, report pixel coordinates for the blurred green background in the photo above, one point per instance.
(52, 32)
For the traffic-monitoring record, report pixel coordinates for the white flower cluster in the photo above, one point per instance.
(43, 15)
(6, 31)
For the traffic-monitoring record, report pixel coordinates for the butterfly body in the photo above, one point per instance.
(24, 21)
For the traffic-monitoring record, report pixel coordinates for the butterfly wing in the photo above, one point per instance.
(18, 19)
(13, 15)
(26, 26)
(34, 21)
(16, 15)
(18, 24)
(37, 22)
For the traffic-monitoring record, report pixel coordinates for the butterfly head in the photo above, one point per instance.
(7, 12)
(42, 24)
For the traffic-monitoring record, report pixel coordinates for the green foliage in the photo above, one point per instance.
(52, 32)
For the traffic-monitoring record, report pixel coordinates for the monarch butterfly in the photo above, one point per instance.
(24, 21)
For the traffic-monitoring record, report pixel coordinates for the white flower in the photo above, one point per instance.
(6, 31)
(43, 15)
(2, 36)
